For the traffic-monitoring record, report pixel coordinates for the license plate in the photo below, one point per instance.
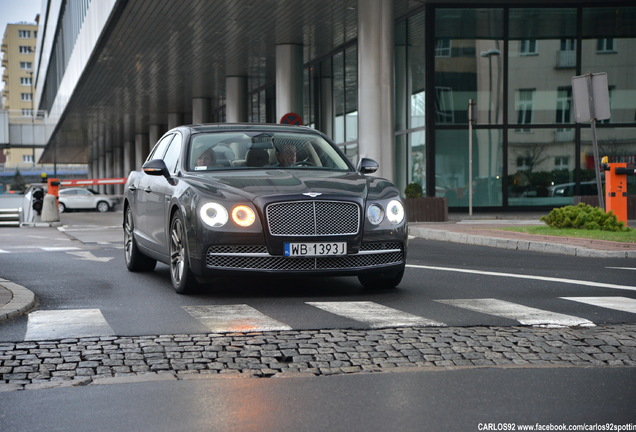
(315, 249)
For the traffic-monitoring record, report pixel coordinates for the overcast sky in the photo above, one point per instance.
(14, 11)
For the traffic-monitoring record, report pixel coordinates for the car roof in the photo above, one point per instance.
(220, 127)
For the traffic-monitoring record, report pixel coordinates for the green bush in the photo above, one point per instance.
(413, 190)
(583, 216)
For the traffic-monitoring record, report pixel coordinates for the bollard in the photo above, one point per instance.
(50, 212)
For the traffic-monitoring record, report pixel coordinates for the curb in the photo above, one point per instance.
(525, 245)
(23, 300)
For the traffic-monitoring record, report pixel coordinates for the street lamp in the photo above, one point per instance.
(489, 54)
(32, 114)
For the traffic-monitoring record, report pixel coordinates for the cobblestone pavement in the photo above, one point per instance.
(83, 361)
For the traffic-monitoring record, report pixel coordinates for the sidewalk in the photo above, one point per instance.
(480, 230)
(485, 230)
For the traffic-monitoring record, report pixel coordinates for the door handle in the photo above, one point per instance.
(147, 190)
(132, 188)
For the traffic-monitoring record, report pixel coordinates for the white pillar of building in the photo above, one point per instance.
(141, 149)
(289, 80)
(174, 120)
(154, 133)
(200, 110)
(236, 99)
(375, 84)
(108, 157)
(326, 106)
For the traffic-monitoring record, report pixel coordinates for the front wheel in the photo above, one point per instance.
(61, 207)
(381, 280)
(183, 280)
(135, 260)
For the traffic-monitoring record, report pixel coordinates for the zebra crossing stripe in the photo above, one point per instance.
(375, 315)
(531, 277)
(70, 323)
(525, 315)
(623, 304)
(234, 318)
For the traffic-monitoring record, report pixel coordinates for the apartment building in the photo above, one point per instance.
(18, 57)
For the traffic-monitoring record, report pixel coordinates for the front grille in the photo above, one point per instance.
(257, 258)
(309, 218)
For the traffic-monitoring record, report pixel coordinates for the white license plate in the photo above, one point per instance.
(315, 249)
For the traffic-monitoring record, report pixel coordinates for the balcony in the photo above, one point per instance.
(566, 59)
(564, 135)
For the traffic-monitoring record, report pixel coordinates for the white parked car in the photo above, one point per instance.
(85, 199)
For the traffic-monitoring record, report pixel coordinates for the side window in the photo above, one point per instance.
(160, 148)
(172, 155)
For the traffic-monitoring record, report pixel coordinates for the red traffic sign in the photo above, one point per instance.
(291, 119)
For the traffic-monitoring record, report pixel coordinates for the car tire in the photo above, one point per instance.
(381, 281)
(103, 207)
(61, 207)
(183, 280)
(135, 260)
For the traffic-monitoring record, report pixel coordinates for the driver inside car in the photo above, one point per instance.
(286, 155)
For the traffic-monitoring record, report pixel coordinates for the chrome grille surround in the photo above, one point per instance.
(256, 258)
(311, 218)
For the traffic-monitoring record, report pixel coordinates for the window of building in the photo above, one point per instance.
(605, 45)
(25, 96)
(27, 112)
(444, 105)
(564, 103)
(27, 158)
(24, 34)
(26, 81)
(442, 48)
(26, 65)
(524, 105)
(25, 49)
(562, 163)
(568, 44)
(528, 47)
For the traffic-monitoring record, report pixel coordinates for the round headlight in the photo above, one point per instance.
(375, 213)
(213, 214)
(395, 212)
(243, 215)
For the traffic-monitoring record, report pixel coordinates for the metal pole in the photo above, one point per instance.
(597, 160)
(471, 104)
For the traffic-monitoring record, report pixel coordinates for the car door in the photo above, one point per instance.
(159, 198)
(72, 199)
(145, 200)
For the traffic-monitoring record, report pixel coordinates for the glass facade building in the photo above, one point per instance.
(517, 65)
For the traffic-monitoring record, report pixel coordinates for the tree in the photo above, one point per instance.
(18, 183)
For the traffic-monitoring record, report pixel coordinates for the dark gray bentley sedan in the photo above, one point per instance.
(236, 199)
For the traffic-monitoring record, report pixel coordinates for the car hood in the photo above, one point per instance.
(254, 184)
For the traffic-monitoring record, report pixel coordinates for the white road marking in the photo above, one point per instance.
(624, 304)
(88, 256)
(521, 276)
(524, 314)
(234, 318)
(3, 251)
(58, 249)
(375, 315)
(622, 268)
(71, 323)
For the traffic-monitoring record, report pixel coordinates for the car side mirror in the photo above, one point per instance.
(156, 167)
(367, 166)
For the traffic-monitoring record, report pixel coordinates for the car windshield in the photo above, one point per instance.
(257, 150)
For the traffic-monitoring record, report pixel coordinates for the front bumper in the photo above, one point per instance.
(234, 259)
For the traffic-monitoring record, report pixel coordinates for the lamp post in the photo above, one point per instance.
(32, 115)
(489, 54)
